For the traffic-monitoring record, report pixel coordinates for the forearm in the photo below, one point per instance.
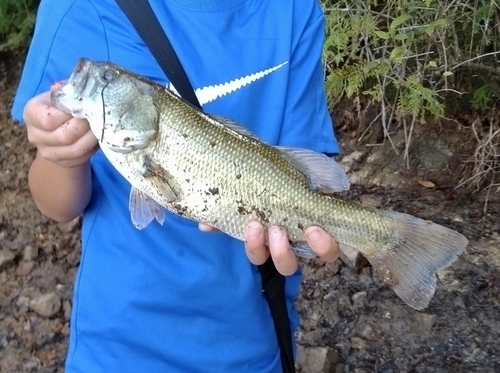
(61, 193)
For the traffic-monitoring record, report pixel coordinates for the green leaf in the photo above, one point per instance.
(432, 64)
(401, 36)
(447, 73)
(397, 53)
(441, 22)
(399, 21)
(429, 29)
(382, 34)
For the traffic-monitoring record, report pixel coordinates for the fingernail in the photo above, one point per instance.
(276, 234)
(315, 235)
(253, 231)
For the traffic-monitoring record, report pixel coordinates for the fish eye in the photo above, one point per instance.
(108, 76)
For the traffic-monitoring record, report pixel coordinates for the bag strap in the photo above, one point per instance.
(273, 287)
(147, 25)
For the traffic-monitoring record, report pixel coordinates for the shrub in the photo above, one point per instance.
(419, 60)
(17, 18)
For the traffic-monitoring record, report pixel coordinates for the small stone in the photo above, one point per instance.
(358, 343)
(351, 257)
(313, 337)
(30, 366)
(370, 200)
(367, 332)
(67, 309)
(477, 355)
(46, 305)
(30, 253)
(4, 342)
(359, 296)
(70, 226)
(397, 351)
(23, 304)
(6, 257)
(25, 268)
(317, 359)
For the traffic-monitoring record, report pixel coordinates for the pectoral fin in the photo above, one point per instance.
(163, 182)
(144, 209)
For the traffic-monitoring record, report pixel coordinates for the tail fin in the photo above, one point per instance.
(410, 266)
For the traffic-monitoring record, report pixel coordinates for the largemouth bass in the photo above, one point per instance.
(214, 171)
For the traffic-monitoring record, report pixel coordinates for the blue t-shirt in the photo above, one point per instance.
(171, 298)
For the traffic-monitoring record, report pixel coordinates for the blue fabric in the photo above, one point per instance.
(171, 298)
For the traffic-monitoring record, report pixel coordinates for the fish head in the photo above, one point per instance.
(119, 105)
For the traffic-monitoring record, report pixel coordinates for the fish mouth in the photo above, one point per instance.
(78, 86)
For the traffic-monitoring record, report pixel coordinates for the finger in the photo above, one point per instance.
(206, 228)
(67, 132)
(40, 112)
(255, 243)
(322, 244)
(71, 155)
(284, 259)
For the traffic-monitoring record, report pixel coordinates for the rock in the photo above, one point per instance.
(313, 337)
(351, 257)
(25, 268)
(23, 304)
(30, 366)
(358, 343)
(367, 332)
(477, 355)
(46, 305)
(359, 296)
(6, 258)
(30, 253)
(371, 200)
(4, 342)
(67, 309)
(317, 359)
(70, 226)
(349, 160)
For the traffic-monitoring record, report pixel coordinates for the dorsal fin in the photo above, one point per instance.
(324, 173)
(236, 127)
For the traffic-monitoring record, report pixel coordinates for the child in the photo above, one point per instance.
(174, 298)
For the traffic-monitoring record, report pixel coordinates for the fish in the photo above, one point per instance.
(213, 170)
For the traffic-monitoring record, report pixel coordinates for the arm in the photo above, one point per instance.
(59, 177)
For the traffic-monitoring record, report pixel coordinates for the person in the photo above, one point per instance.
(175, 298)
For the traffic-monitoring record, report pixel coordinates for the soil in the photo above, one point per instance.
(348, 311)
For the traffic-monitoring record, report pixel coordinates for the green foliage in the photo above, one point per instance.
(411, 54)
(420, 59)
(17, 18)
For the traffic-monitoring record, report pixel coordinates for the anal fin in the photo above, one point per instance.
(303, 250)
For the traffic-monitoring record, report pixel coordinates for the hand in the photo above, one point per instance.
(58, 136)
(284, 259)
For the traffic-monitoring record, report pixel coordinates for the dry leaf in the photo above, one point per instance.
(427, 184)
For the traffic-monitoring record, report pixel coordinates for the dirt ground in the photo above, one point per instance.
(366, 326)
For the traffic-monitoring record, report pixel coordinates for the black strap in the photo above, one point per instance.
(273, 283)
(147, 25)
(273, 287)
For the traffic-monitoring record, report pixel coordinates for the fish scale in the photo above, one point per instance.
(214, 171)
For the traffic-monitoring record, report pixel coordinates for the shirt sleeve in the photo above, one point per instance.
(60, 39)
(307, 121)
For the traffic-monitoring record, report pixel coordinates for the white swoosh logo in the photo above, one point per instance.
(213, 92)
